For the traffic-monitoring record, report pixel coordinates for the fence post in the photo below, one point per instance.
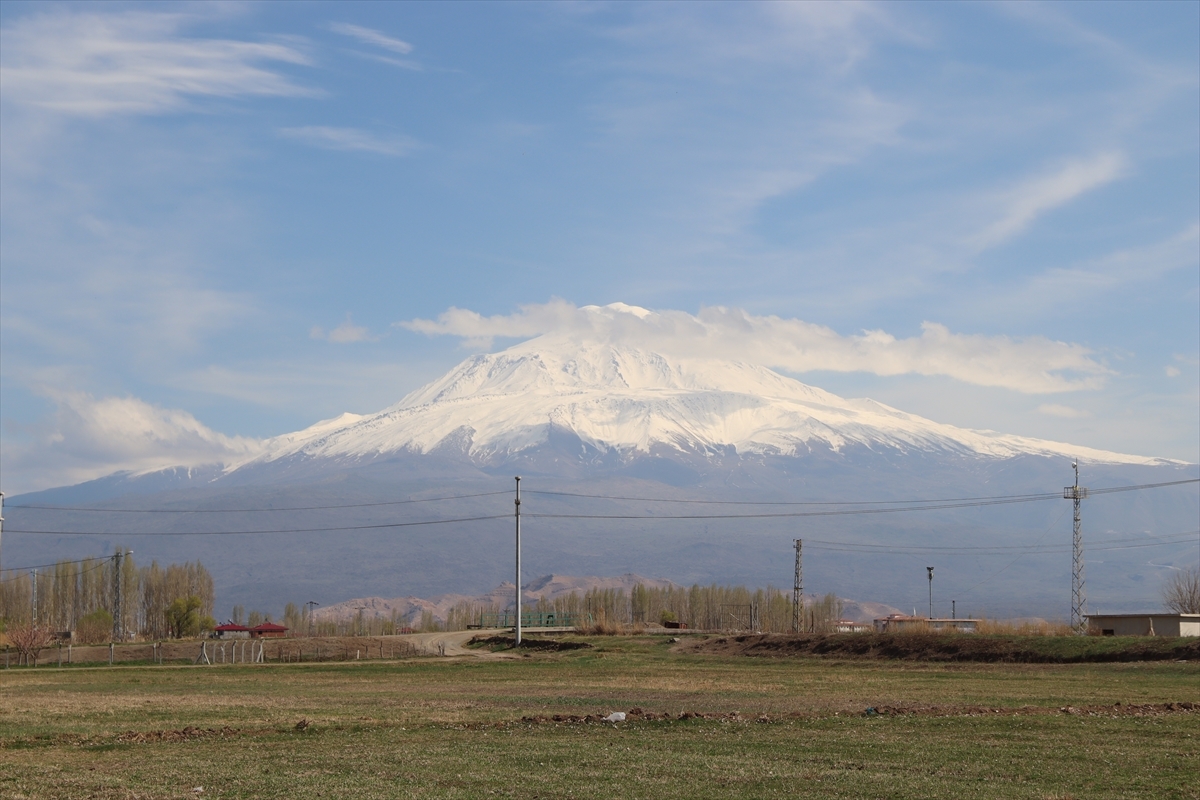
(110, 653)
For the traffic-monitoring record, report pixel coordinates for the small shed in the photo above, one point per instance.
(1144, 624)
(231, 631)
(268, 630)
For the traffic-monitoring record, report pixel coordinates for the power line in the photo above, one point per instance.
(1039, 496)
(249, 510)
(56, 563)
(883, 549)
(248, 533)
(1010, 497)
(893, 507)
(103, 563)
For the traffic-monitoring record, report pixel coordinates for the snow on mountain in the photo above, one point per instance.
(628, 400)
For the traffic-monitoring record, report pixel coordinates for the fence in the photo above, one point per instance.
(529, 619)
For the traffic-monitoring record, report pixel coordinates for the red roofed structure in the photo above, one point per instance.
(231, 631)
(268, 630)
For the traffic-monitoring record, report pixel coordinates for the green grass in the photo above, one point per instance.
(454, 729)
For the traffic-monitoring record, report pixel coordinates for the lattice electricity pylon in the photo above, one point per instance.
(1077, 493)
(797, 588)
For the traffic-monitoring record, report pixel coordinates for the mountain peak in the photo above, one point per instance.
(624, 400)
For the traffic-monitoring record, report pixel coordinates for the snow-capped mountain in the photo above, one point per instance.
(413, 500)
(626, 401)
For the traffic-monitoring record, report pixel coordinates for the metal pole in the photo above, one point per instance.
(798, 589)
(1, 522)
(117, 627)
(33, 575)
(1077, 493)
(930, 591)
(517, 505)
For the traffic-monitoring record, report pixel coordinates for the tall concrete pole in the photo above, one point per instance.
(797, 588)
(517, 504)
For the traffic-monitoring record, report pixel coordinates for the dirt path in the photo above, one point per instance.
(454, 643)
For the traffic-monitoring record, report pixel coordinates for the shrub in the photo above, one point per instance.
(95, 627)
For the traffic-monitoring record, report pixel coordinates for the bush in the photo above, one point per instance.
(95, 627)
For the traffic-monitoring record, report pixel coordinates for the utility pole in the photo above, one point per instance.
(312, 623)
(930, 591)
(1077, 493)
(119, 595)
(517, 505)
(953, 610)
(33, 576)
(1, 522)
(797, 588)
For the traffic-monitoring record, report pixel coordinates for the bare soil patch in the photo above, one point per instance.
(550, 645)
(954, 647)
(637, 714)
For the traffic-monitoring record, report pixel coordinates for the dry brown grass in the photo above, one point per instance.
(1039, 628)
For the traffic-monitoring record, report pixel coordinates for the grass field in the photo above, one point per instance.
(484, 727)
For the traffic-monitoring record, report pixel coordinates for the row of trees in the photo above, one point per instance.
(156, 602)
(708, 607)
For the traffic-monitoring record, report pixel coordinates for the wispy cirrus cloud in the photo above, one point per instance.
(1031, 365)
(135, 62)
(351, 139)
(372, 36)
(1025, 202)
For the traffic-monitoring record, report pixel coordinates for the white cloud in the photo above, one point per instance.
(1025, 202)
(132, 62)
(351, 139)
(346, 333)
(371, 36)
(1056, 410)
(88, 437)
(1172, 372)
(1033, 365)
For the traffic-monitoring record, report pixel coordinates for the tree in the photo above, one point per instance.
(1181, 592)
(29, 640)
(95, 627)
(183, 616)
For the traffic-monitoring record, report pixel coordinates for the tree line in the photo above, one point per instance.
(705, 607)
(157, 602)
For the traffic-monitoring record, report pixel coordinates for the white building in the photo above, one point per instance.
(1144, 624)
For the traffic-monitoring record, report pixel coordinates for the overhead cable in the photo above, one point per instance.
(247, 510)
(249, 533)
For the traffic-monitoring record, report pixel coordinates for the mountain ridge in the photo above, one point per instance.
(628, 401)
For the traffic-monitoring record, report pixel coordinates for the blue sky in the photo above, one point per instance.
(220, 222)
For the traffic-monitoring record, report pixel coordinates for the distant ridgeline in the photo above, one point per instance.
(80, 596)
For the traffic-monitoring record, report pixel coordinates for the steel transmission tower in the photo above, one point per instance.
(797, 588)
(1078, 595)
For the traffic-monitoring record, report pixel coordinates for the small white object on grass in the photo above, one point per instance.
(616, 716)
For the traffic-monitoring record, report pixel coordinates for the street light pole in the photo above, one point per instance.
(930, 591)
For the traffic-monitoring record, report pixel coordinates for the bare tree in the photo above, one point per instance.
(1181, 592)
(29, 640)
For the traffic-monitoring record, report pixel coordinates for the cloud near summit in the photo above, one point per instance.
(1031, 365)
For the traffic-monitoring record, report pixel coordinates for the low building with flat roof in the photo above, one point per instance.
(894, 623)
(1144, 624)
